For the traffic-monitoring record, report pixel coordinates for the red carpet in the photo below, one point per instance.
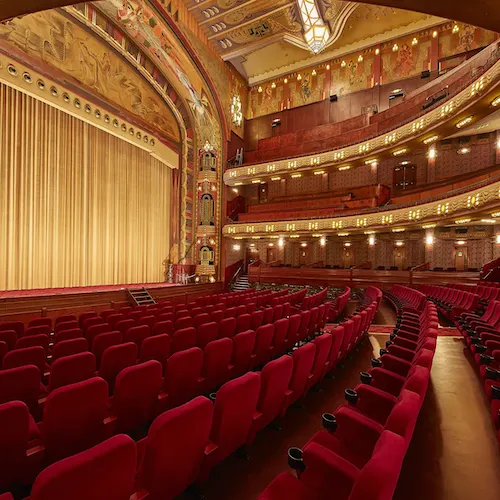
(387, 329)
(79, 289)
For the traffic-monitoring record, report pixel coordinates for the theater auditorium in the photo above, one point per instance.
(249, 250)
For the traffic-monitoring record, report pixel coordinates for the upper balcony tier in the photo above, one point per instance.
(468, 92)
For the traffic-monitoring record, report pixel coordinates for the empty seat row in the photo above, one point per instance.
(339, 303)
(404, 298)
(451, 302)
(360, 452)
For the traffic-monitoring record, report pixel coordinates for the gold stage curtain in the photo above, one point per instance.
(78, 206)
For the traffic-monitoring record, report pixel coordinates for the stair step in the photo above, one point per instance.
(141, 297)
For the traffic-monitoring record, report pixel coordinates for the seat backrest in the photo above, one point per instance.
(227, 327)
(137, 334)
(163, 327)
(323, 344)
(268, 316)
(22, 384)
(65, 325)
(217, 315)
(206, 333)
(41, 322)
(106, 313)
(69, 347)
(257, 319)
(216, 360)
(174, 448)
(136, 390)
(9, 337)
(183, 339)
(403, 416)
(33, 340)
(184, 322)
(113, 319)
(243, 346)
(264, 339)
(148, 320)
(280, 332)
(235, 406)
(71, 369)
(63, 335)
(378, 478)
(201, 319)
(14, 432)
(114, 359)
(243, 322)
(182, 374)
(303, 360)
(103, 341)
(28, 356)
(95, 330)
(85, 316)
(104, 472)
(17, 326)
(125, 325)
(73, 418)
(275, 378)
(37, 330)
(157, 348)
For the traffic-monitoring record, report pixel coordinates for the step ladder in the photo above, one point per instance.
(141, 297)
(241, 283)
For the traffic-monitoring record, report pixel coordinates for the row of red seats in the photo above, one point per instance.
(451, 302)
(404, 298)
(360, 453)
(339, 303)
(243, 406)
(482, 338)
(110, 355)
(486, 291)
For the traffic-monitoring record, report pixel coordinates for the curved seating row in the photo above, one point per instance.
(482, 338)
(451, 302)
(360, 453)
(404, 299)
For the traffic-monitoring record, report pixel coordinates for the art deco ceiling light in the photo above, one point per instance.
(316, 32)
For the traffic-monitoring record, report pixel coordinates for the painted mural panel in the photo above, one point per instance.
(63, 44)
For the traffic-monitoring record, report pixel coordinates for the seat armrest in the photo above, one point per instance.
(387, 381)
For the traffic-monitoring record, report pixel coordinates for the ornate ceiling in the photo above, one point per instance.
(264, 39)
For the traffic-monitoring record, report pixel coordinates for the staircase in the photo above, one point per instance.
(141, 297)
(241, 283)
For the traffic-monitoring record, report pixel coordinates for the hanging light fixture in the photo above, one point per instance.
(316, 32)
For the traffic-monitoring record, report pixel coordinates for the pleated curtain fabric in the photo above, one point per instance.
(78, 206)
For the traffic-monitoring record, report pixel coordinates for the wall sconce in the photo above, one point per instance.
(371, 240)
(429, 239)
(498, 239)
(322, 241)
(461, 242)
(347, 244)
(270, 244)
(236, 248)
(281, 242)
(303, 245)
(276, 122)
(399, 243)
(432, 153)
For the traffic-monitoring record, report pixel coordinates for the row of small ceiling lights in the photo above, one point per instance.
(343, 63)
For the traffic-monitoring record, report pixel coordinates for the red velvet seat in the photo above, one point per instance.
(268, 316)
(305, 318)
(28, 356)
(9, 337)
(157, 348)
(65, 325)
(206, 333)
(15, 464)
(41, 322)
(136, 391)
(181, 378)
(243, 346)
(163, 327)
(103, 472)
(73, 418)
(114, 359)
(235, 406)
(137, 334)
(148, 321)
(82, 319)
(323, 345)
(106, 313)
(33, 340)
(279, 338)
(293, 331)
(217, 316)
(201, 319)
(95, 330)
(183, 322)
(243, 322)
(263, 344)
(165, 316)
(37, 330)
(303, 360)
(124, 325)
(227, 327)
(71, 369)
(216, 363)
(69, 347)
(275, 378)
(337, 334)
(64, 335)
(174, 449)
(16, 326)
(257, 319)
(184, 339)
(22, 384)
(103, 341)
(114, 319)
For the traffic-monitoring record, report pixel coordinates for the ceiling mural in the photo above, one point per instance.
(264, 39)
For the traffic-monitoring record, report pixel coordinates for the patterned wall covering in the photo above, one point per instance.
(398, 59)
(238, 88)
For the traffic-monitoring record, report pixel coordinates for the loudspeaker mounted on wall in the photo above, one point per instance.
(334, 98)
(425, 74)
